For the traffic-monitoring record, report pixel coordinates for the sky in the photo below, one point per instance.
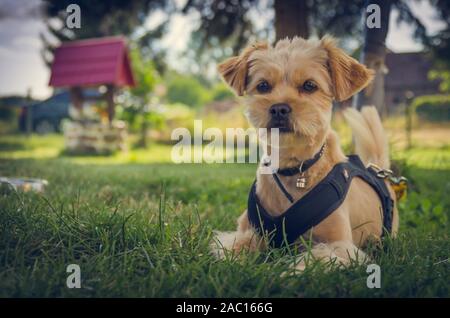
(22, 67)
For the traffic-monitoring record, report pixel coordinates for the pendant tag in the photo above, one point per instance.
(301, 182)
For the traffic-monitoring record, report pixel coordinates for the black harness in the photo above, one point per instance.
(318, 203)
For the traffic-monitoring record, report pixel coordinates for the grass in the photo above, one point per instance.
(139, 226)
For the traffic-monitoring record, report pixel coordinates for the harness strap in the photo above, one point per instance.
(317, 204)
(282, 188)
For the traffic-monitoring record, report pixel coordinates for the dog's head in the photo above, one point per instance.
(291, 86)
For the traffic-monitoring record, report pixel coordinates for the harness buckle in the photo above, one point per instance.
(398, 184)
(381, 173)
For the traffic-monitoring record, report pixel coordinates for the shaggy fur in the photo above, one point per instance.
(286, 66)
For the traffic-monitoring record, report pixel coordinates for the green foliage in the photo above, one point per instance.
(221, 92)
(187, 90)
(144, 73)
(137, 101)
(136, 118)
(98, 19)
(229, 22)
(439, 42)
(7, 113)
(444, 77)
(433, 107)
(195, 92)
(175, 116)
(177, 111)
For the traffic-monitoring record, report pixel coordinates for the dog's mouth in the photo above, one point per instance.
(284, 126)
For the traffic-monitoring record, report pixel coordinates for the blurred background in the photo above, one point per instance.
(172, 48)
(86, 116)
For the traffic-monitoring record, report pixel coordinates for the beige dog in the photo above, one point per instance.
(304, 77)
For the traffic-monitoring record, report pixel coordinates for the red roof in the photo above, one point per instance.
(92, 62)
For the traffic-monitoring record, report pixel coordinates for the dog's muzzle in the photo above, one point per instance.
(279, 117)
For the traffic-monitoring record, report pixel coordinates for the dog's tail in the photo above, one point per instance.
(368, 134)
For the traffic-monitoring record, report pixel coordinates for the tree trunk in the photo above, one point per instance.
(291, 19)
(144, 131)
(373, 55)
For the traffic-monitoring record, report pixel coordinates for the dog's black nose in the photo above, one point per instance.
(280, 111)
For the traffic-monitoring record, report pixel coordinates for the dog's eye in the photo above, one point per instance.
(263, 87)
(309, 86)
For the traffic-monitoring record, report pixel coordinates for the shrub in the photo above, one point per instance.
(186, 90)
(221, 92)
(175, 115)
(7, 113)
(433, 107)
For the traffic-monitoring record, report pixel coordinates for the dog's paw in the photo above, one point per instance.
(222, 243)
(294, 270)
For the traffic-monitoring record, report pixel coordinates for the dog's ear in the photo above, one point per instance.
(234, 70)
(347, 74)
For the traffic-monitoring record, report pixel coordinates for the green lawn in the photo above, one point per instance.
(139, 226)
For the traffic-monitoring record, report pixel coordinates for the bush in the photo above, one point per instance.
(433, 107)
(7, 113)
(221, 92)
(8, 119)
(174, 116)
(187, 90)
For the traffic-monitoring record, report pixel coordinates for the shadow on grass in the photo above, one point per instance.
(11, 146)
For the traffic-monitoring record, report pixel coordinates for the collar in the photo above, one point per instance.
(304, 165)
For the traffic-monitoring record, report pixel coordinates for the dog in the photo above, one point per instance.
(291, 86)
